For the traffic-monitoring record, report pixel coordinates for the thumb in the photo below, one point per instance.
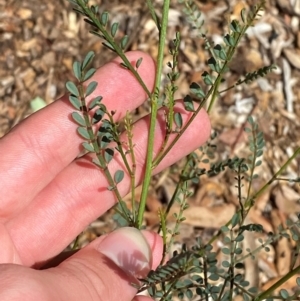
(106, 269)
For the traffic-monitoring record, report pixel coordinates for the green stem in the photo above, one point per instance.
(154, 109)
(163, 227)
(215, 92)
(205, 277)
(254, 135)
(178, 188)
(133, 169)
(276, 285)
(231, 268)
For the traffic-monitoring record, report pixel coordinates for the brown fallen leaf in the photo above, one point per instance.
(283, 252)
(288, 285)
(213, 217)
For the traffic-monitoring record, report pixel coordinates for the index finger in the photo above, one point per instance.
(36, 150)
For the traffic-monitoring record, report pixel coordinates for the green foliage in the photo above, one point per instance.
(198, 271)
(88, 115)
(195, 273)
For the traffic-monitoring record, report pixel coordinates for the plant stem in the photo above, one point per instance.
(154, 109)
(253, 161)
(277, 284)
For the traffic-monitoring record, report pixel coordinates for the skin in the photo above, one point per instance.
(49, 196)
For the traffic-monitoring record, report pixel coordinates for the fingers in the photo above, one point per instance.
(79, 194)
(46, 142)
(89, 274)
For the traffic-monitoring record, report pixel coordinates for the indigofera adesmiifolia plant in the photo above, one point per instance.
(195, 272)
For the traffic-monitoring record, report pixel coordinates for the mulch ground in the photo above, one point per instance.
(39, 41)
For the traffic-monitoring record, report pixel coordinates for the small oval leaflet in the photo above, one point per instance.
(95, 9)
(235, 26)
(225, 264)
(229, 40)
(239, 265)
(95, 102)
(109, 46)
(189, 294)
(96, 162)
(197, 90)
(220, 52)
(89, 74)
(108, 154)
(91, 88)
(104, 18)
(78, 118)
(207, 78)
(188, 103)
(72, 88)
(244, 15)
(114, 29)
(88, 58)
(124, 66)
(98, 115)
(213, 64)
(88, 147)
(75, 102)
(83, 132)
(138, 62)
(225, 251)
(178, 119)
(77, 70)
(119, 175)
(214, 277)
(124, 42)
(235, 220)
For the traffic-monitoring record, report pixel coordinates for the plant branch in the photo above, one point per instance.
(154, 109)
(96, 22)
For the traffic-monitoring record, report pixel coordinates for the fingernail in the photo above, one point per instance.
(129, 250)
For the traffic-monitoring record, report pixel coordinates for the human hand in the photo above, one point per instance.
(49, 197)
